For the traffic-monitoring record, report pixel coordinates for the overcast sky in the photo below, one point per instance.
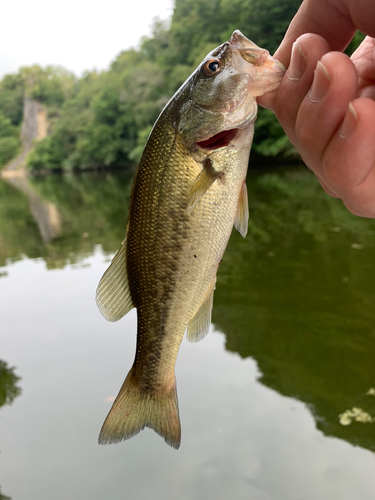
(77, 34)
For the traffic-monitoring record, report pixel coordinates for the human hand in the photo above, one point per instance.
(330, 116)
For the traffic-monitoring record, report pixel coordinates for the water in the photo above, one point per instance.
(266, 400)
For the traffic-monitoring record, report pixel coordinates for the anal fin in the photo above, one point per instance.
(113, 295)
(200, 323)
(202, 183)
(241, 220)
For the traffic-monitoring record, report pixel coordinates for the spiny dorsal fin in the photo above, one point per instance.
(241, 220)
(113, 295)
(200, 323)
(202, 183)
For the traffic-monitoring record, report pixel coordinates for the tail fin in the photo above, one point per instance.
(132, 411)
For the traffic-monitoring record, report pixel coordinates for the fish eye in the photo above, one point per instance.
(211, 67)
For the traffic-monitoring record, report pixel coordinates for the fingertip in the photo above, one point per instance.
(349, 123)
(307, 42)
(283, 53)
(349, 159)
(365, 110)
(341, 65)
(308, 49)
(358, 125)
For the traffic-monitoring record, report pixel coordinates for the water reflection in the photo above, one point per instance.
(74, 214)
(300, 301)
(8, 392)
(4, 497)
(8, 384)
(46, 214)
(296, 295)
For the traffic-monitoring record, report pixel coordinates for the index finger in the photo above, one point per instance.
(330, 19)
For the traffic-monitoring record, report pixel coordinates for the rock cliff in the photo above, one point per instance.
(34, 128)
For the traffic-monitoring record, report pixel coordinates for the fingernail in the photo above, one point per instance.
(320, 84)
(349, 123)
(297, 63)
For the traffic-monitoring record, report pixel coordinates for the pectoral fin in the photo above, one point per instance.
(113, 295)
(241, 220)
(202, 183)
(200, 323)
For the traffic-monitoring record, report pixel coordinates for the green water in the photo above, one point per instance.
(266, 400)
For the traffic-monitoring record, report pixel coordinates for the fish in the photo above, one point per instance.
(188, 192)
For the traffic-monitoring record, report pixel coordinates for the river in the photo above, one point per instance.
(276, 403)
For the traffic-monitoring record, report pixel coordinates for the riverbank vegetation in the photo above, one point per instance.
(103, 119)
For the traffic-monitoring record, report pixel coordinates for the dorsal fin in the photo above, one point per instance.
(113, 295)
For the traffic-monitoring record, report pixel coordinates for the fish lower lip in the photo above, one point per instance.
(219, 140)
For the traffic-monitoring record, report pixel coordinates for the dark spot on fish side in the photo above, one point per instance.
(195, 256)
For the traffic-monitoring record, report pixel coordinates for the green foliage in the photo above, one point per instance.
(8, 392)
(354, 44)
(101, 120)
(50, 86)
(6, 127)
(136, 153)
(101, 124)
(9, 148)
(195, 23)
(11, 98)
(8, 384)
(91, 208)
(155, 48)
(295, 294)
(4, 497)
(269, 137)
(9, 141)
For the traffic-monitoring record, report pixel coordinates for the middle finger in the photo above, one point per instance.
(307, 50)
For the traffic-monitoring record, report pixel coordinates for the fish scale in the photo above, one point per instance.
(188, 192)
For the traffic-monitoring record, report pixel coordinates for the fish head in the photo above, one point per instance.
(265, 72)
(220, 96)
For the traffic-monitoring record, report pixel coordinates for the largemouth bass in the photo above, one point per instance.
(188, 191)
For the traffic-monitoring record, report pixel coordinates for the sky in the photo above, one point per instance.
(77, 34)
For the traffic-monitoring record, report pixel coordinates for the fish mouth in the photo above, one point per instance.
(220, 140)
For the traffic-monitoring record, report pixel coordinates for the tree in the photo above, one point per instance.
(102, 119)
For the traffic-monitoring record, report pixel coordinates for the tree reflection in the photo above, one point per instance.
(298, 298)
(45, 214)
(8, 392)
(4, 497)
(91, 210)
(8, 384)
(296, 294)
